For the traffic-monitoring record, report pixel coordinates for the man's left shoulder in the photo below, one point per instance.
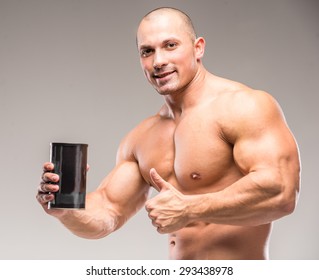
(247, 101)
(246, 107)
(233, 92)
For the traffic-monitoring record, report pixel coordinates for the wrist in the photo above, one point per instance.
(195, 207)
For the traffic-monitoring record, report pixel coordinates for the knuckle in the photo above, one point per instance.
(41, 198)
(44, 177)
(41, 187)
(48, 166)
(160, 230)
(151, 216)
(45, 188)
(47, 176)
(148, 207)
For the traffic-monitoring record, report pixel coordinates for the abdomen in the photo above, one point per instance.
(224, 242)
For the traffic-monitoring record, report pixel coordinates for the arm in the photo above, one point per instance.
(120, 195)
(267, 155)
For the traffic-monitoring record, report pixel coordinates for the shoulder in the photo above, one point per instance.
(240, 97)
(246, 103)
(127, 147)
(244, 110)
(237, 96)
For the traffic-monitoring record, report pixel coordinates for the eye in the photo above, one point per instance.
(171, 45)
(146, 52)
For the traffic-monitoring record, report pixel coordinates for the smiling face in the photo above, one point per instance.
(168, 51)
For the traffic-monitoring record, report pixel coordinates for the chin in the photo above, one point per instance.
(167, 90)
(163, 92)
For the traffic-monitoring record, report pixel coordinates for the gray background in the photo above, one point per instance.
(69, 71)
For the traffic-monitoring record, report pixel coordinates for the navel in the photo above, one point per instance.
(195, 176)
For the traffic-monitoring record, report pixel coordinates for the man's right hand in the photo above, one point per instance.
(48, 186)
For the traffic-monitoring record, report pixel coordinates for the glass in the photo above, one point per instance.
(70, 163)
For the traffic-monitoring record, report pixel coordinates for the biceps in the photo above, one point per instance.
(272, 164)
(274, 150)
(125, 189)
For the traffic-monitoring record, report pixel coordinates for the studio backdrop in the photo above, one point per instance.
(69, 72)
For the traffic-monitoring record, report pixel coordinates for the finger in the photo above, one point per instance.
(158, 181)
(50, 177)
(149, 204)
(48, 166)
(44, 198)
(46, 188)
(161, 230)
(156, 224)
(151, 216)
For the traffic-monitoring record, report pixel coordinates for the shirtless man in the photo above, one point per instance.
(220, 154)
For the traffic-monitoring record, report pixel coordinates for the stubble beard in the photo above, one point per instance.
(168, 88)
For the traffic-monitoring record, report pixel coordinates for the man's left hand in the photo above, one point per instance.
(168, 209)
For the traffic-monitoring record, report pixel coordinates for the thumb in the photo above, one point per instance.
(158, 182)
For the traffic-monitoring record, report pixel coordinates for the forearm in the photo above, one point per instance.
(257, 198)
(99, 219)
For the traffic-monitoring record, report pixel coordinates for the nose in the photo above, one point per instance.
(160, 60)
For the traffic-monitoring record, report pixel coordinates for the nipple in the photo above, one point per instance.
(195, 176)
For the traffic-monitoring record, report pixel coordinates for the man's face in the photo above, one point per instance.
(167, 53)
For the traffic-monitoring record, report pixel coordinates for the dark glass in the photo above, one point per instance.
(70, 163)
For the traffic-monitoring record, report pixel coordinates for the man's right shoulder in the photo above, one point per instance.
(145, 125)
(136, 136)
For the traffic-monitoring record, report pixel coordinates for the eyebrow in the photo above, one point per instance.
(147, 46)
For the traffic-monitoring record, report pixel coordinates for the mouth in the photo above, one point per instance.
(162, 74)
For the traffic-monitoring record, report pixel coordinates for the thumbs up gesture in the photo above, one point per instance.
(169, 209)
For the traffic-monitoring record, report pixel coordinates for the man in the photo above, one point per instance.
(219, 153)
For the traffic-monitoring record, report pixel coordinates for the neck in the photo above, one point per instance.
(187, 97)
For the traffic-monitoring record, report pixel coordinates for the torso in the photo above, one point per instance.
(195, 155)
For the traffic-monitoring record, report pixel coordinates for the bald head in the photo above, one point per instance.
(167, 11)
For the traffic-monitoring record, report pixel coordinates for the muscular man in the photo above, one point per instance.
(219, 153)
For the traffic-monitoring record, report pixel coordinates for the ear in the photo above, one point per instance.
(199, 47)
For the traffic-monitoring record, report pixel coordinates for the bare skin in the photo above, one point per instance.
(220, 154)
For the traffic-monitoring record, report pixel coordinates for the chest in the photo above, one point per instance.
(191, 155)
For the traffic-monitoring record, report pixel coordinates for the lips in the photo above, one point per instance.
(162, 74)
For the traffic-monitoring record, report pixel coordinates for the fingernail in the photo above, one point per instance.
(55, 177)
(49, 166)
